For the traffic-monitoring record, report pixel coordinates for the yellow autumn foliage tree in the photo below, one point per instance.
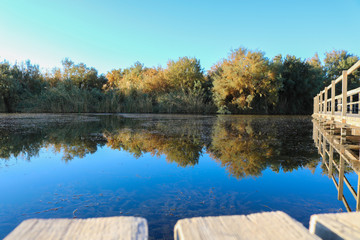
(244, 81)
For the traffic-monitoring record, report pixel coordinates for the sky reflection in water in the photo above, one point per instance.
(160, 167)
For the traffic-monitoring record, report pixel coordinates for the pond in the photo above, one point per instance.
(160, 167)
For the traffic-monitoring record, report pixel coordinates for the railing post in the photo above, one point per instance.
(331, 159)
(344, 93)
(333, 97)
(341, 178)
(323, 147)
(325, 102)
(358, 195)
(321, 102)
(319, 141)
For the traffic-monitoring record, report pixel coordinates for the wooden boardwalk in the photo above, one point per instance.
(336, 226)
(344, 107)
(258, 226)
(116, 228)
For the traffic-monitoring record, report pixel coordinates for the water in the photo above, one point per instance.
(160, 167)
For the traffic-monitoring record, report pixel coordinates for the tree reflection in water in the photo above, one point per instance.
(248, 145)
(111, 183)
(245, 145)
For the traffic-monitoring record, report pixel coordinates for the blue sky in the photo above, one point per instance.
(114, 34)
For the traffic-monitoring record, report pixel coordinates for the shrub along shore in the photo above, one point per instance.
(246, 82)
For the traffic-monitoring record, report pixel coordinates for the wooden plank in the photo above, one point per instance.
(338, 79)
(353, 92)
(351, 189)
(133, 228)
(354, 67)
(321, 102)
(258, 226)
(344, 94)
(346, 204)
(358, 194)
(326, 99)
(331, 160)
(336, 226)
(332, 97)
(335, 81)
(352, 147)
(353, 138)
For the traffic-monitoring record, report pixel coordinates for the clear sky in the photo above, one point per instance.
(111, 34)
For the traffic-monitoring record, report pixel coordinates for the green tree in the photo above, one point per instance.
(8, 86)
(336, 62)
(82, 76)
(300, 82)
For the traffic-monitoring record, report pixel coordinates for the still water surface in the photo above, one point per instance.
(160, 167)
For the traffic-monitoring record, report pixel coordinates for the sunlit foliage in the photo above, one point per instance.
(179, 88)
(184, 73)
(80, 75)
(336, 62)
(244, 81)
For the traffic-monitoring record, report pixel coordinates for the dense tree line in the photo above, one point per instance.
(244, 82)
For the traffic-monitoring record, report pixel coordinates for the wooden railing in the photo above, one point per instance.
(328, 103)
(330, 142)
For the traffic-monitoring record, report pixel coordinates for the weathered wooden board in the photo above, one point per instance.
(133, 228)
(351, 120)
(258, 226)
(336, 225)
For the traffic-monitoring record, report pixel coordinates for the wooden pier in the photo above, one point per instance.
(343, 107)
(336, 226)
(116, 228)
(259, 226)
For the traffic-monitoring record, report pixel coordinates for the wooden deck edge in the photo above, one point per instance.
(122, 228)
(336, 225)
(265, 225)
(350, 121)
